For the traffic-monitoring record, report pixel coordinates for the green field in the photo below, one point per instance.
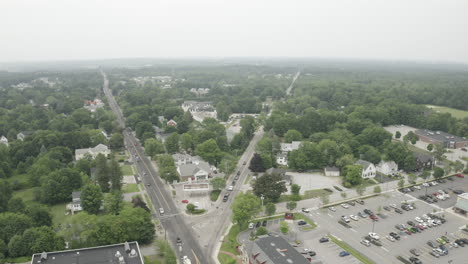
(26, 194)
(130, 188)
(454, 112)
(127, 170)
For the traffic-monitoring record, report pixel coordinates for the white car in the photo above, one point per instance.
(410, 207)
(390, 238)
(345, 218)
(355, 218)
(333, 209)
(230, 188)
(305, 210)
(251, 225)
(418, 187)
(440, 197)
(161, 210)
(425, 217)
(374, 236)
(365, 242)
(419, 220)
(434, 183)
(345, 205)
(426, 184)
(393, 206)
(453, 244)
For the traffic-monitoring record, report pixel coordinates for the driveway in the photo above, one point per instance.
(313, 181)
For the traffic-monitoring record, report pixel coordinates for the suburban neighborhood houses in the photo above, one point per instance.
(92, 152)
(368, 169)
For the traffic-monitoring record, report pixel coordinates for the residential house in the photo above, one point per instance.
(423, 161)
(92, 152)
(332, 171)
(92, 106)
(171, 123)
(75, 205)
(184, 158)
(4, 140)
(200, 91)
(123, 253)
(282, 157)
(194, 168)
(368, 169)
(271, 250)
(387, 167)
(24, 134)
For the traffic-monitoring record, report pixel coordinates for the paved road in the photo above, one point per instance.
(288, 91)
(172, 222)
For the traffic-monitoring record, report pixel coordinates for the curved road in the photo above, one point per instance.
(172, 222)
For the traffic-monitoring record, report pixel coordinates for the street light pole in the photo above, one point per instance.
(262, 198)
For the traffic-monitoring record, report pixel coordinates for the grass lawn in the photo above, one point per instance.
(58, 213)
(454, 112)
(127, 170)
(130, 188)
(230, 240)
(18, 260)
(247, 179)
(225, 259)
(154, 259)
(214, 195)
(149, 203)
(314, 193)
(311, 225)
(26, 194)
(351, 250)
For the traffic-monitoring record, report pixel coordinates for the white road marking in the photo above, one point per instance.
(352, 229)
(384, 249)
(330, 215)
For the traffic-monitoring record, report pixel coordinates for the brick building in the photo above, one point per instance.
(439, 137)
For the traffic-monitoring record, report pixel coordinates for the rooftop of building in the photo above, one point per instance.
(276, 250)
(439, 135)
(129, 252)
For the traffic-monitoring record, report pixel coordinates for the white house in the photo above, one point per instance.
(194, 168)
(92, 106)
(282, 157)
(93, 152)
(368, 169)
(332, 171)
(4, 140)
(75, 205)
(387, 167)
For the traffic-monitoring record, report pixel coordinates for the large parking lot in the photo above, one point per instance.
(387, 253)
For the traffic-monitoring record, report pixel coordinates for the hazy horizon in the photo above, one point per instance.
(379, 30)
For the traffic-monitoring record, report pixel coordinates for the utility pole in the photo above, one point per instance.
(262, 198)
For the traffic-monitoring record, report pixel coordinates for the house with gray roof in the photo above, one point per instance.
(92, 152)
(331, 171)
(194, 168)
(368, 169)
(423, 160)
(271, 250)
(439, 137)
(282, 157)
(75, 205)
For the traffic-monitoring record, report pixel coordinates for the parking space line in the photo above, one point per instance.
(384, 249)
(352, 229)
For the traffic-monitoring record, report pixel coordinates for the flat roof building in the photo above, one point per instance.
(439, 137)
(124, 253)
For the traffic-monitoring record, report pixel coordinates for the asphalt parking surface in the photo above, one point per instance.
(456, 184)
(328, 223)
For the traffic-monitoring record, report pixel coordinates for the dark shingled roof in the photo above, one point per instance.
(440, 136)
(96, 255)
(276, 250)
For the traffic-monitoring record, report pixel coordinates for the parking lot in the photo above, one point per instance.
(449, 185)
(387, 253)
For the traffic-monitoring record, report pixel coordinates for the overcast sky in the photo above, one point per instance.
(374, 29)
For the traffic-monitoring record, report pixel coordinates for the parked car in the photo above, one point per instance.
(359, 201)
(374, 217)
(459, 175)
(225, 197)
(398, 210)
(264, 223)
(410, 223)
(355, 218)
(323, 240)
(446, 239)
(415, 260)
(365, 242)
(185, 201)
(302, 222)
(345, 218)
(312, 253)
(344, 205)
(400, 227)
(395, 235)
(440, 241)
(161, 211)
(434, 253)
(352, 203)
(393, 206)
(386, 208)
(230, 188)
(374, 236)
(390, 238)
(444, 249)
(418, 219)
(369, 212)
(331, 208)
(458, 191)
(258, 224)
(344, 253)
(305, 210)
(415, 251)
(251, 225)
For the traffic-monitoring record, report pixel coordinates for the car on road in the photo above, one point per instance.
(344, 205)
(365, 242)
(264, 223)
(230, 188)
(305, 210)
(302, 222)
(323, 240)
(148, 184)
(161, 210)
(344, 253)
(251, 225)
(238, 172)
(178, 241)
(245, 162)
(415, 252)
(331, 208)
(459, 175)
(374, 235)
(226, 197)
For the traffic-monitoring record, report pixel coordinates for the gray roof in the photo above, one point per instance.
(276, 250)
(364, 163)
(76, 195)
(423, 157)
(190, 169)
(440, 136)
(462, 202)
(332, 169)
(95, 255)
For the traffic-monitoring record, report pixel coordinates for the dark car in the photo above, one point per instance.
(344, 253)
(323, 240)
(444, 249)
(386, 208)
(179, 241)
(398, 210)
(258, 224)
(312, 253)
(352, 203)
(415, 260)
(359, 201)
(238, 173)
(264, 223)
(410, 223)
(458, 191)
(226, 197)
(432, 244)
(369, 212)
(233, 183)
(302, 222)
(460, 242)
(394, 235)
(245, 162)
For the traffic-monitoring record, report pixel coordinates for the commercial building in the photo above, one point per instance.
(124, 253)
(439, 137)
(461, 206)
